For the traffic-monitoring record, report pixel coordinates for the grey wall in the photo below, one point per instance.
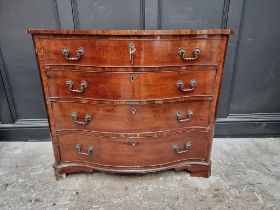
(249, 103)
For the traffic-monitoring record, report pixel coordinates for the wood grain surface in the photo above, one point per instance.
(119, 86)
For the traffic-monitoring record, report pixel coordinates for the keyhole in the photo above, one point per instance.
(132, 78)
(133, 142)
(133, 110)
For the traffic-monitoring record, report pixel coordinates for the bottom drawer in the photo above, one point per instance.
(132, 152)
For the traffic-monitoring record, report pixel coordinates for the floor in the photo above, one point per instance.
(245, 175)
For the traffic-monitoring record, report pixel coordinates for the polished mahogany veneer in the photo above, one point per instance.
(133, 85)
(133, 152)
(114, 51)
(131, 101)
(131, 118)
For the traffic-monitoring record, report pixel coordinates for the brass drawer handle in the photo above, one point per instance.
(132, 50)
(87, 118)
(78, 148)
(83, 85)
(176, 149)
(66, 52)
(184, 119)
(181, 85)
(182, 53)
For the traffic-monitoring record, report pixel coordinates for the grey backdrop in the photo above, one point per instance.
(249, 103)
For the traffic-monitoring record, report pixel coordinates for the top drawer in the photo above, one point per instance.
(129, 52)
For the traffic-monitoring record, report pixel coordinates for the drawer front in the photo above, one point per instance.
(131, 118)
(132, 152)
(131, 86)
(129, 52)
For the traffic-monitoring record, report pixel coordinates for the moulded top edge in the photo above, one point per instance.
(131, 32)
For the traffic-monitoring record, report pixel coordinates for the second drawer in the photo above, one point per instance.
(131, 118)
(131, 86)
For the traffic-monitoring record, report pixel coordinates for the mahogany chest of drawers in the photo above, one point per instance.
(131, 101)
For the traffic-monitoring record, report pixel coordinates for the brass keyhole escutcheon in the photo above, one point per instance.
(132, 78)
(133, 142)
(133, 110)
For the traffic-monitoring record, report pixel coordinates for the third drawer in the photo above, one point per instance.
(131, 118)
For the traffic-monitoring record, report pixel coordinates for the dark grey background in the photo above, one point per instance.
(249, 103)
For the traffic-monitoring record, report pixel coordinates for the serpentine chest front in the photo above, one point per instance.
(131, 101)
